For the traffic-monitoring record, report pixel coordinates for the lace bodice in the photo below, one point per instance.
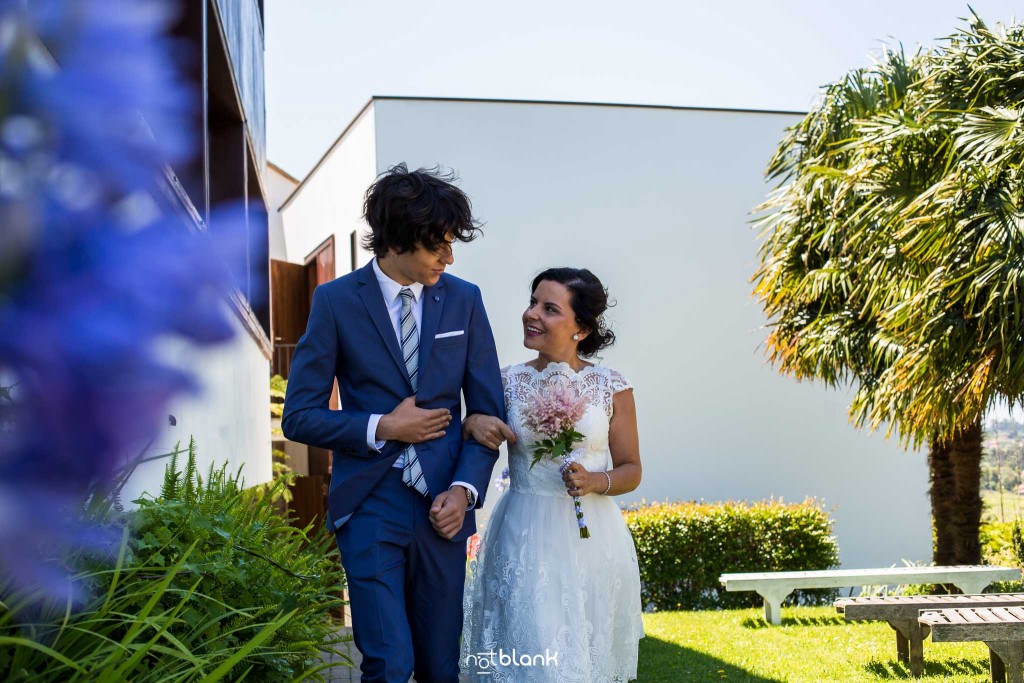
(597, 384)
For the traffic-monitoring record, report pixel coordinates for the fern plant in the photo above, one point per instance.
(209, 583)
(282, 470)
(247, 555)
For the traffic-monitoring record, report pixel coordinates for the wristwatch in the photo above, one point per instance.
(470, 498)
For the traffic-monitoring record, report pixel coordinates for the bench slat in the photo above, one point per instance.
(982, 616)
(971, 615)
(1003, 615)
(992, 625)
(902, 607)
(953, 616)
(834, 578)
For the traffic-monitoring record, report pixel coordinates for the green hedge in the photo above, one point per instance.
(1002, 544)
(684, 547)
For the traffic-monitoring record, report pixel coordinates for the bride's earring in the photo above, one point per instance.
(575, 337)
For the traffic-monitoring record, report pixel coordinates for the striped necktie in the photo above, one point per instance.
(412, 473)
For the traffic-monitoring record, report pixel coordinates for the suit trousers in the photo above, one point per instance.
(405, 585)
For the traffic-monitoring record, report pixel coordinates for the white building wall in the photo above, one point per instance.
(230, 419)
(330, 201)
(657, 203)
(279, 187)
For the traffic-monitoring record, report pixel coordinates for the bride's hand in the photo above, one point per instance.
(487, 430)
(580, 482)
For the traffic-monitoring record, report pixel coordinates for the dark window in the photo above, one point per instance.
(222, 169)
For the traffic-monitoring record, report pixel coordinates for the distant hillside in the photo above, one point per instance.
(1003, 457)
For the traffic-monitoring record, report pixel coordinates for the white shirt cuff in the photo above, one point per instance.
(468, 487)
(371, 434)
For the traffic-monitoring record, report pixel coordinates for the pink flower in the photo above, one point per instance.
(555, 411)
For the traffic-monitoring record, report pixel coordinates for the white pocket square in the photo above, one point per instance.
(456, 333)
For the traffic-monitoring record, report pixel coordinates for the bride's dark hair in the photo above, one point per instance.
(589, 300)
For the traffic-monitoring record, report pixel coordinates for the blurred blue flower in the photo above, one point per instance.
(501, 482)
(92, 108)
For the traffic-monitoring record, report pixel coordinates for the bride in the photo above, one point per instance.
(542, 604)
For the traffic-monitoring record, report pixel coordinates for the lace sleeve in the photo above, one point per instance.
(608, 383)
(617, 381)
(506, 384)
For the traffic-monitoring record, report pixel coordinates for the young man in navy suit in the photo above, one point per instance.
(406, 342)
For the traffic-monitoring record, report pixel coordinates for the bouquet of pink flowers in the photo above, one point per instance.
(555, 414)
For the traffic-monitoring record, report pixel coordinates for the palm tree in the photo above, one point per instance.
(893, 254)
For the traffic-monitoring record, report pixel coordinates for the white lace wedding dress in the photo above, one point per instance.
(536, 587)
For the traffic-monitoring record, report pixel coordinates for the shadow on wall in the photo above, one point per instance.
(665, 662)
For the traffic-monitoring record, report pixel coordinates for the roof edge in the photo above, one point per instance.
(330, 148)
(283, 172)
(581, 103)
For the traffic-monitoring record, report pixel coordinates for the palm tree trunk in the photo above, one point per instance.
(955, 473)
(941, 492)
(965, 456)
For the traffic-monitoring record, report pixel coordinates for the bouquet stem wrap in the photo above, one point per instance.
(555, 414)
(567, 460)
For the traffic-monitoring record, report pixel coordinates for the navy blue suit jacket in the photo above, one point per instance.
(350, 336)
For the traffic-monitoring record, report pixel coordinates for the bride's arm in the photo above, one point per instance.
(487, 430)
(624, 443)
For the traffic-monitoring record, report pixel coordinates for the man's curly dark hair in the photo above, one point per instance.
(406, 209)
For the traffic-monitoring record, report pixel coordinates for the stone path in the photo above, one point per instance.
(349, 674)
(343, 673)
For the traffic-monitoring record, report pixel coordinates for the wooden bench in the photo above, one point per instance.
(902, 612)
(1001, 628)
(773, 587)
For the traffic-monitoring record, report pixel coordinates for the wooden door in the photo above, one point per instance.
(320, 269)
(289, 311)
(320, 265)
(292, 288)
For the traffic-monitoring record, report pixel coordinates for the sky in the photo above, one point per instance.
(326, 58)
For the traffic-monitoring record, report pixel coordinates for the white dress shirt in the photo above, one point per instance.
(393, 300)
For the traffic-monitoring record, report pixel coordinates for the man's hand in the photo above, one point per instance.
(449, 512)
(487, 430)
(410, 424)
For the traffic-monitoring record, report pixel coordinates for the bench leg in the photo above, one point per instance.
(996, 667)
(773, 604)
(916, 638)
(910, 644)
(902, 648)
(971, 586)
(1011, 654)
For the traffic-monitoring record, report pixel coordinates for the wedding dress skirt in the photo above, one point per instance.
(542, 604)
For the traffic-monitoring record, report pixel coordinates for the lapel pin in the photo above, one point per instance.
(437, 298)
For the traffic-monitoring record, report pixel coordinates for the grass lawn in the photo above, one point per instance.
(813, 645)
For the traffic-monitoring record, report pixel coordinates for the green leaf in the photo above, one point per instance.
(33, 645)
(264, 634)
